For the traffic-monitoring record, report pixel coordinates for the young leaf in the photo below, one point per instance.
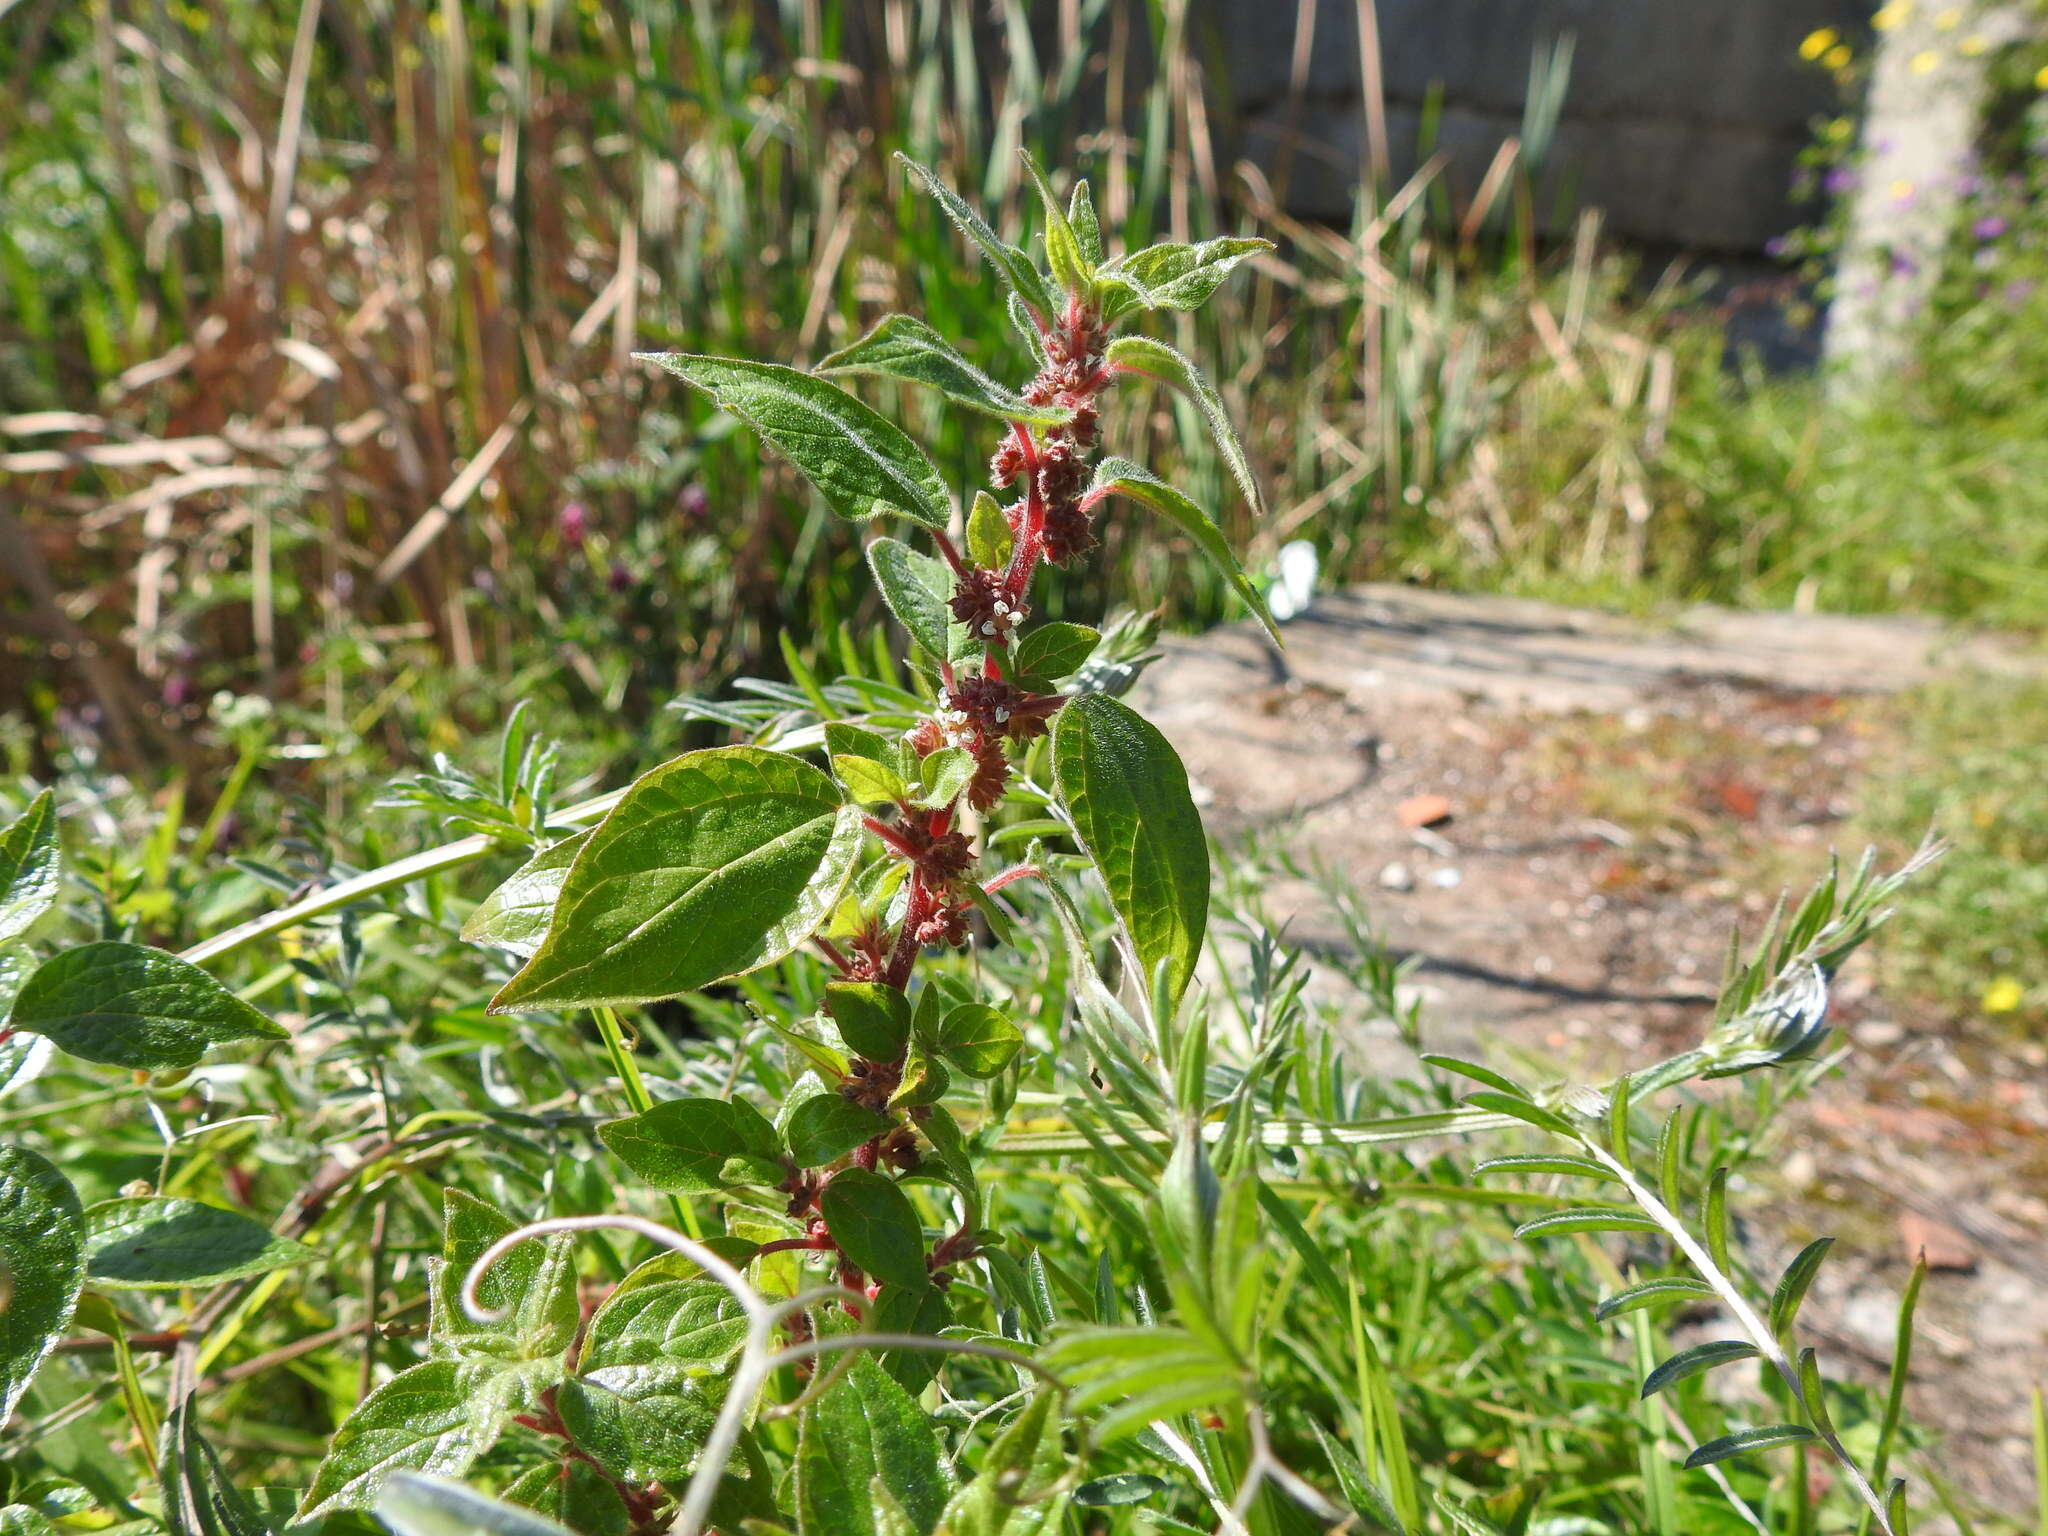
(977, 1040)
(1128, 796)
(127, 1006)
(1120, 477)
(826, 1126)
(1172, 276)
(869, 782)
(866, 1428)
(435, 1417)
(1087, 228)
(1027, 284)
(925, 1081)
(1575, 1167)
(1053, 651)
(917, 588)
(1792, 1285)
(1071, 269)
(900, 347)
(714, 864)
(873, 1019)
(681, 1146)
(1155, 360)
(515, 916)
(1762, 1439)
(1653, 1293)
(161, 1244)
(1701, 1357)
(29, 870)
(42, 1255)
(530, 1291)
(943, 777)
(861, 462)
(412, 1505)
(989, 540)
(875, 1226)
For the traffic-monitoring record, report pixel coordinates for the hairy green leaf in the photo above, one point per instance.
(989, 540)
(128, 1006)
(1575, 1167)
(1145, 358)
(1071, 268)
(977, 1040)
(1120, 477)
(29, 871)
(861, 462)
(42, 1265)
(866, 1427)
(152, 1243)
(1760, 1439)
(435, 1417)
(1792, 1285)
(515, 916)
(875, 1225)
(1127, 793)
(826, 1126)
(1026, 282)
(1701, 1357)
(1053, 651)
(901, 347)
(682, 1146)
(917, 589)
(1587, 1219)
(873, 1018)
(1171, 276)
(1653, 1293)
(715, 863)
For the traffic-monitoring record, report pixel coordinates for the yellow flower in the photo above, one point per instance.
(1971, 46)
(1839, 129)
(1838, 57)
(1891, 15)
(2003, 995)
(2041, 78)
(1924, 61)
(1948, 20)
(1818, 43)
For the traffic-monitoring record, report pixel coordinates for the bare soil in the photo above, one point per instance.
(1621, 794)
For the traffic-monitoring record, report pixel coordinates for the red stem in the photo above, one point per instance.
(889, 835)
(831, 952)
(946, 548)
(1012, 876)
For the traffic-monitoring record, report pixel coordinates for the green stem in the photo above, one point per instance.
(140, 1410)
(638, 1099)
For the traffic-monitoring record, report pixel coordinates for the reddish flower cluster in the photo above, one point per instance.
(984, 603)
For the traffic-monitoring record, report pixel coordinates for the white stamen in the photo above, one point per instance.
(1002, 717)
(988, 628)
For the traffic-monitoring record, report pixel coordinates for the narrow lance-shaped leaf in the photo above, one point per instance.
(1701, 1357)
(29, 870)
(42, 1263)
(1120, 477)
(863, 464)
(1653, 1293)
(1761, 1439)
(153, 1243)
(1071, 268)
(903, 347)
(1792, 1285)
(1150, 359)
(714, 864)
(1127, 793)
(1027, 284)
(129, 1006)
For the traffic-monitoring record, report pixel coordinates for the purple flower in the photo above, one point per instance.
(573, 523)
(620, 578)
(1840, 179)
(1777, 245)
(1903, 265)
(694, 503)
(1989, 228)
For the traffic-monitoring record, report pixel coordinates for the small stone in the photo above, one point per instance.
(1447, 878)
(1424, 811)
(1943, 1246)
(1397, 877)
(1880, 1032)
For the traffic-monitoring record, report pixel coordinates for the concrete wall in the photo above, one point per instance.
(1683, 118)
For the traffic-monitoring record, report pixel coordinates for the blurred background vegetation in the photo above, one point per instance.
(322, 441)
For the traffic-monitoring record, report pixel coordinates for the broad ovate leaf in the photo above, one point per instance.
(714, 864)
(1142, 357)
(1120, 477)
(128, 1006)
(917, 589)
(862, 463)
(684, 1146)
(1127, 794)
(42, 1259)
(157, 1243)
(875, 1225)
(437, 1417)
(515, 916)
(903, 347)
(29, 870)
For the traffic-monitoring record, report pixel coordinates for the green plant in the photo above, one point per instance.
(996, 1208)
